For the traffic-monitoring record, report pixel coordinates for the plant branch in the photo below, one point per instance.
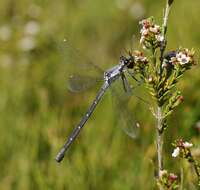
(164, 31)
(196, 166)
(159, 129)
(166, 16)
(159, 133)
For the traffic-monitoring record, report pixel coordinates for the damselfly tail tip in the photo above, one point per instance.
(60, 155)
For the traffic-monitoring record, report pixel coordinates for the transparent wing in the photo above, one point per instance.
(81, 72)
(128, 106)
(78, 83)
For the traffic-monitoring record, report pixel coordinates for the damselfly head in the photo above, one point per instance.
(128, 61)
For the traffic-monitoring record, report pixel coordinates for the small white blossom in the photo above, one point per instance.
(176, 152)
(150, 79)
(187, 145)
(142, 39)
(155, 29)
(160, 38)
(183, 58)
(139, 57)
(144, 31)
(137, 125)
(32, 28)
(162, 173)
(27, 43)
(151, 34)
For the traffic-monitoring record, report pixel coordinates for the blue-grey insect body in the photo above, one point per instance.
(109, 77)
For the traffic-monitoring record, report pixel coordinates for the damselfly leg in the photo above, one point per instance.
(128, 105)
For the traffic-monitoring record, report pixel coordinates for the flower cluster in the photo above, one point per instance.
(182, 56)
(151, 34)
(168, 180)
(182, 149)
(141, 62)
(139, 57)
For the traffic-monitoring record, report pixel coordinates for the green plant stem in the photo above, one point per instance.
(166, 16)
(181, 178)
(159, 139)
(196, 168)
(159, 128)
(164, 31)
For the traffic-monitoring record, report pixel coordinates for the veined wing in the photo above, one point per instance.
(129, 106)
(81, 72)
(78, 83)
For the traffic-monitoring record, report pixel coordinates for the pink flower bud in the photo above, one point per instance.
(173, 177)
(181, 98)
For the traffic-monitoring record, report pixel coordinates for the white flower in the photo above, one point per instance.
(139, 57)
(137, 125)
(183, 58)
(150, 79)
(176, 152)
(144, 31)
(142, 39)
(32, 28)
(162, 173)
(155, 29)
(187, 145)
(27, 43)
(160, 38)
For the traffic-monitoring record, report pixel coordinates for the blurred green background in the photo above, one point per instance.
(37, 112)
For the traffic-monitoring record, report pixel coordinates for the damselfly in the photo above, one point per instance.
(79, 81)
